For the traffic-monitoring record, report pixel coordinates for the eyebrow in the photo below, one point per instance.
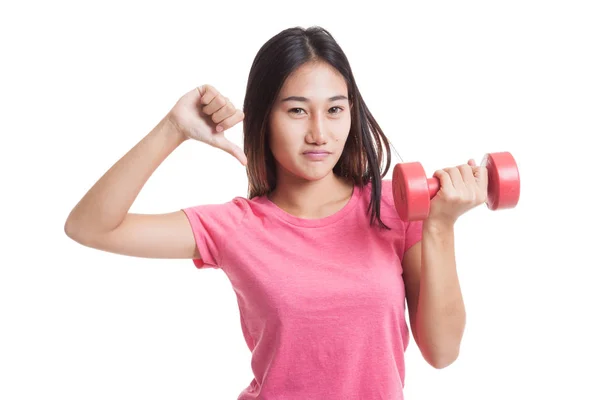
(300, 98)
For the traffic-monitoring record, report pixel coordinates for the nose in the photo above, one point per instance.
(316, 131)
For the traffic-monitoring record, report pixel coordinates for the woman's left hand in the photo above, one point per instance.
(461, 188)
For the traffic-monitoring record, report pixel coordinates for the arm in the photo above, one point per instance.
(106, 204)
(102, 220)
(434, 298)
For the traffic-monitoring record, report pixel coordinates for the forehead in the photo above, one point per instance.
(314, 80)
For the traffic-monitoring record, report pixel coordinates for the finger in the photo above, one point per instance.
(224, 144)
(472, 163)
(207, 94)
(456, 177)
(230, 121)
(445, 180)
(467, 173)
(224, 112)
(216, 104)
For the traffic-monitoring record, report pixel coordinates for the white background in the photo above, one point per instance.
(82, 83)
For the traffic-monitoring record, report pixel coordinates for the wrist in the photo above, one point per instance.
(173, 129)
(439, 225)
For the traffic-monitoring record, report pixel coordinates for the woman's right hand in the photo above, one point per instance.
(205, 114)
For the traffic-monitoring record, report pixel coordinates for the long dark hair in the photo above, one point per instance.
(362, 159)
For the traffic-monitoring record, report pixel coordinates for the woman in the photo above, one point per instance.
(320, 262)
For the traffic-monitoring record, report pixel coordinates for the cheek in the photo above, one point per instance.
(281, 138)
(342, 130)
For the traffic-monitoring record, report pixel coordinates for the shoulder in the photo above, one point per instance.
(387, 197)
(235, 211)
(232, 211)
(412, 230)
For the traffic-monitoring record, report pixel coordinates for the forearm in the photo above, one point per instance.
(441, 312)
(107, 203)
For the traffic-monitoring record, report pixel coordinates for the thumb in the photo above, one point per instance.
(478, 172)
(481, 176)
(231, 148)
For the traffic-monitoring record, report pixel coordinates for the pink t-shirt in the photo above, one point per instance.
(321, 301)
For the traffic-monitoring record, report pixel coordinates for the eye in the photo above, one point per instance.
(295, 110)
(340, 109)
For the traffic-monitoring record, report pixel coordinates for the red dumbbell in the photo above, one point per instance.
(413, 190)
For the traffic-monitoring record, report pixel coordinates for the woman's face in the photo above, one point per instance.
(310, 122)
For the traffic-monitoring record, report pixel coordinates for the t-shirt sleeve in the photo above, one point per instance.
(413, 230)
(211, 225)
(413, 234)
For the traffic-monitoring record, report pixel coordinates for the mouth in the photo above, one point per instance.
(316, 155)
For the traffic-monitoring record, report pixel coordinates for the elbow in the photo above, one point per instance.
(70, 229)
(440, 349)
(442, 359)
(440, 356)
(75, 232)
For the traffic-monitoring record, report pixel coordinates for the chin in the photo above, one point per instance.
(315, 175)
(310, 173)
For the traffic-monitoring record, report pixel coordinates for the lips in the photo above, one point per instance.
(316, 155)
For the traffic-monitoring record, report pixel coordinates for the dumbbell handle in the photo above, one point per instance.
(433, 185)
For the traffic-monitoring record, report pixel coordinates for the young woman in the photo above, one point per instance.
(320, 261)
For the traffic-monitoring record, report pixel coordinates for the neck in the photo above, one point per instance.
(312, 199)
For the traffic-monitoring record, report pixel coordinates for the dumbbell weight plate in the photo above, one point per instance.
(504, 185)
(411, 191)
